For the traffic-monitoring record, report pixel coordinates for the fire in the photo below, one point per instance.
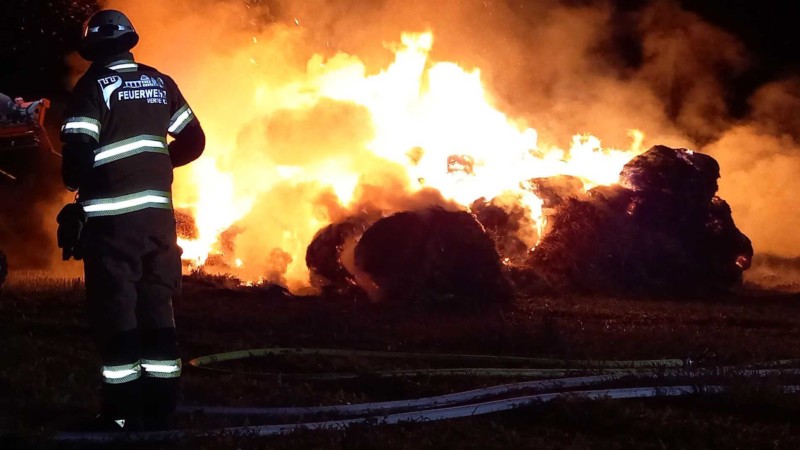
(434, 119)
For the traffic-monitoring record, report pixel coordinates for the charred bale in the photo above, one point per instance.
(324, 254)
(662, 232)
(672, 187)
(594, 249)
(555, 190)
(727, 250)
(615, 197)
(505, 223)
(674, 170)
(434, 257)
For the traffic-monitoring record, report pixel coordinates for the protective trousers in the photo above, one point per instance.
(133, 269)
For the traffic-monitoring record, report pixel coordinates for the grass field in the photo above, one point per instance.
(48, 375)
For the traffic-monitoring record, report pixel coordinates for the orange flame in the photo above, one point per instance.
(437, 111)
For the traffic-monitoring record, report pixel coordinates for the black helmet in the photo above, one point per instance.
(107, 32)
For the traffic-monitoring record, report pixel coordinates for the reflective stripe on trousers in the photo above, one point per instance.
(162, 368)
(153, 368)
(122, 373)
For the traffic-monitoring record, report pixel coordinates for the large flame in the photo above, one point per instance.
(433, 119)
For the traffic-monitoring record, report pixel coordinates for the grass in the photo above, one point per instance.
(48, 376)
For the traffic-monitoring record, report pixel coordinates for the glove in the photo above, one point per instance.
(70, 220)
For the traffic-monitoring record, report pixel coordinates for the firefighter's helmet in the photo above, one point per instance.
(107, 32)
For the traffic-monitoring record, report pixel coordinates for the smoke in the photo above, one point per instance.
(249, 71)
(760, 160)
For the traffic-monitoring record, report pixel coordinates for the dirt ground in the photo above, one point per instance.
(49, 379)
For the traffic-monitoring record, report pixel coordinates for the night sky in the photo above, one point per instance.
(36, 34)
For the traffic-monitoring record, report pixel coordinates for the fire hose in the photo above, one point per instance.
(455, 405)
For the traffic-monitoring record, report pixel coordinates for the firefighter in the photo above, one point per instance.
(116, 156)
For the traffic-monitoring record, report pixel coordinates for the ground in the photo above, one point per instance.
(48, 376)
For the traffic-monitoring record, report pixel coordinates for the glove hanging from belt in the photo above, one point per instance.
(71, 220)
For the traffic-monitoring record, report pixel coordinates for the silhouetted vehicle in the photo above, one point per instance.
(21, 130)
(22, 127)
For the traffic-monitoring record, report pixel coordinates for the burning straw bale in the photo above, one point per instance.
(505, 223)
(432, 256)
(662, 230)
(324, 254)
(555, 190)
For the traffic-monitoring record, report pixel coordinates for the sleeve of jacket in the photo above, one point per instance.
(80, 133)
(189, 138)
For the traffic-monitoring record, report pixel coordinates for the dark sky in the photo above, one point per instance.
(35, 34)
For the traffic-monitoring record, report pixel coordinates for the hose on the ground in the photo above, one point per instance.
(460, 404)
(473, 409)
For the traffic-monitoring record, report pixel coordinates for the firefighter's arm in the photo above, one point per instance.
(188, 144)
(80, 134)
(77, 160)
(190, 140)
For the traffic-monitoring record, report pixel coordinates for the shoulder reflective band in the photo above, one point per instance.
(82, 125)
(122, 374)
(127, 203)
(123, 66)
(130, 147)
(170, 368)
(179, 120)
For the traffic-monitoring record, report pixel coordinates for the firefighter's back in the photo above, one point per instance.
(130, 109)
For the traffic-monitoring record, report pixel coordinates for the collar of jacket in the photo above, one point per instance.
(102, 63)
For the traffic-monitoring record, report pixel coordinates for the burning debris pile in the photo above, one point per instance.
(662, 230)
(325, 129)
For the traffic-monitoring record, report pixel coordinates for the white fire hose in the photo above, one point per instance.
(456, 405)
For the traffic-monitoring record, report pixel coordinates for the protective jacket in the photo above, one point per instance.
(115, 136)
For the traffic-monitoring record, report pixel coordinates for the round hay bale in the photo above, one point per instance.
(662, 232)
(432, 256)
(324, 254)
(675, 171)
(506, 223)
